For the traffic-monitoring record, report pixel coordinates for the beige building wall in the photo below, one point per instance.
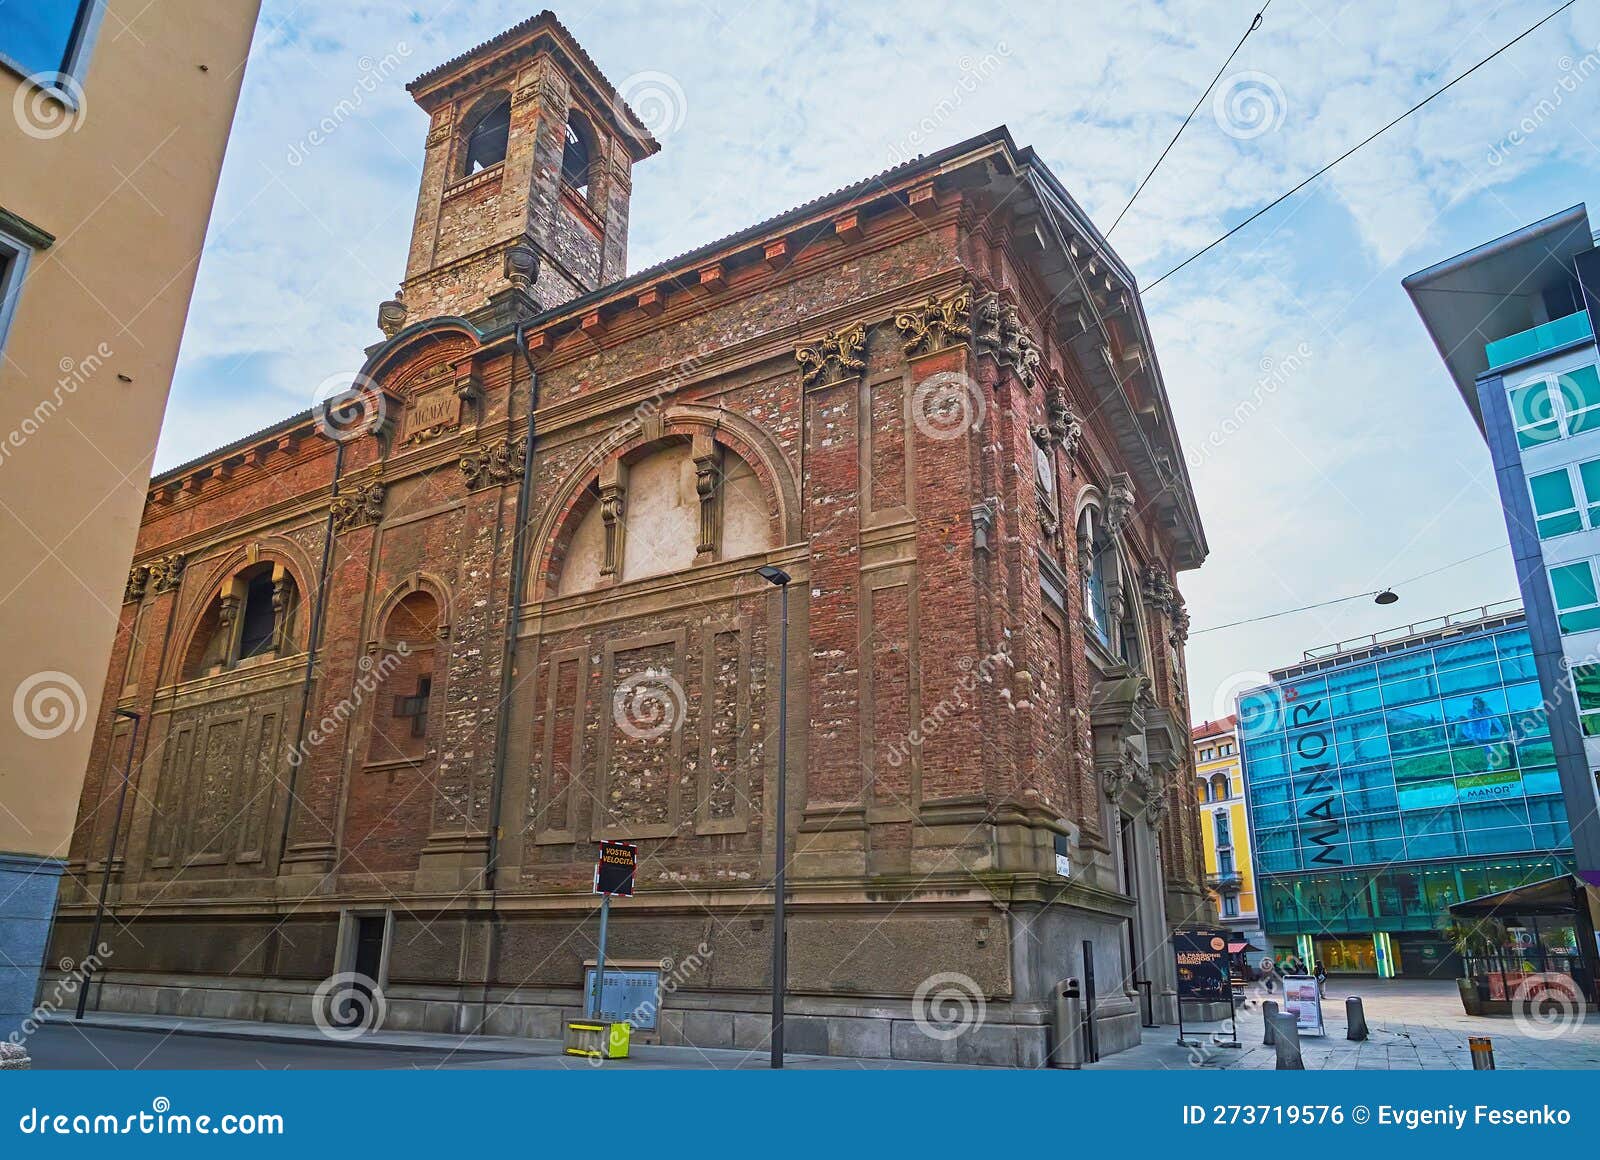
(114, 197)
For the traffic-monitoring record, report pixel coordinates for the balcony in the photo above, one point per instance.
(1225, 881)
(1528, 344)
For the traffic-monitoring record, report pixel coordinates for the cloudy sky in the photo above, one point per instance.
(1359, 469)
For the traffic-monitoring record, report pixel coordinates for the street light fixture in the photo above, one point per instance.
(780, 947)
(91, 957)
(1387, 596)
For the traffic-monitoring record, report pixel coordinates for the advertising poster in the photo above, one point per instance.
(1302, 1000)
(1202, 964)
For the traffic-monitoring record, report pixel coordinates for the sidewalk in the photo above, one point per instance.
(1413, 1025)
(468, 1051)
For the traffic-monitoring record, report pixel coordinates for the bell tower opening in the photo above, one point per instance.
(528, 146)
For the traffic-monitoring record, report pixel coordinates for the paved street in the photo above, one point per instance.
(1414, 1024)
(144, 1042)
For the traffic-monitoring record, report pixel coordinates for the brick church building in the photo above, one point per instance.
(401, 660)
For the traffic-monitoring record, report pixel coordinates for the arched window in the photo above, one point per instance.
(486, 134)
(401, 721)
(674, 505)
(253, 615)
(1224, 791)
(576, 157)
(1095, 561)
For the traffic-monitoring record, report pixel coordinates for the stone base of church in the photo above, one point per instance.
(966, 984)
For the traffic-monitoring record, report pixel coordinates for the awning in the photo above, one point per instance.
(1235, 947)
(1550, 896)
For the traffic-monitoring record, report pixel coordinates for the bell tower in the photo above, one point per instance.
(526, 181)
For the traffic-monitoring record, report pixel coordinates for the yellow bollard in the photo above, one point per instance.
(1482, 1052)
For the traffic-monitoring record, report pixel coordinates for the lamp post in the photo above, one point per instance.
(780, 945)
(90, 956)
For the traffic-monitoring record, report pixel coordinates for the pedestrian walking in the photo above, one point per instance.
(1322, 981)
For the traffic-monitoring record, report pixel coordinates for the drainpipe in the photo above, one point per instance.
(313, 638)
(519, 530)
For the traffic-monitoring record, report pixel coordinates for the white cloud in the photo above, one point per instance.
(1348, 477)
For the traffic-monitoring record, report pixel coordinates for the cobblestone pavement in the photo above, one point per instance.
(1415, 1024)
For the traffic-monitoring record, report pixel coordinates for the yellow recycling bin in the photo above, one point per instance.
(598, 1039)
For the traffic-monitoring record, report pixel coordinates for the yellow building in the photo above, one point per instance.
(1225, 832)
(114, 115)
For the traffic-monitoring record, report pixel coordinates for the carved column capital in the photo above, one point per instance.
(835, 357)
(167, 572)
(138, 578)
(358, 506)
(493, 464)
(936, 323)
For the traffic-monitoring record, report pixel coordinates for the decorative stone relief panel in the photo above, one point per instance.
(638, 786)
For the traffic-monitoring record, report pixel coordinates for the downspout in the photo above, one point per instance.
(519, 535)
(313, 638)
(502, 725)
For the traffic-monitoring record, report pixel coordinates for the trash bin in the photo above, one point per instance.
(1067, 1030)
(598, 1039)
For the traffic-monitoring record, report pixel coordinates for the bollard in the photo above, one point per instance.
(1355, 1019)
(1482, 1048)
(1269, 1008)
(1286, 1036)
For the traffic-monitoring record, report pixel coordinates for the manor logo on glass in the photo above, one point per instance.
(1313, 773)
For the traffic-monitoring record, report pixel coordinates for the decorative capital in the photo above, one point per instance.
(499, 463)
(1156, 587)
(999, 333)
(1117, 779)
(138, 577)
(834, 357)
(1178, 613)
(1062, 424)
(936, 324)
(167, 572)
(1119, 502)
(359, 506)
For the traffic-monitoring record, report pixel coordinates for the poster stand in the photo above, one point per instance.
(1302, 998)
(1201, 961)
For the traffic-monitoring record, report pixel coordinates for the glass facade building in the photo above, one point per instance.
(1393, 776)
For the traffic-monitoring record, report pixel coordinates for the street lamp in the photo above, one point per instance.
(780, 948)
(91, 956)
